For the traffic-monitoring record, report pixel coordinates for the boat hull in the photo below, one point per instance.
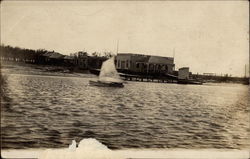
(189, 82)
(105, 84)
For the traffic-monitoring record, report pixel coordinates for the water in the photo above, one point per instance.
(50, 111)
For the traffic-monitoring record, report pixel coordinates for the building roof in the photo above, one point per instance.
(144, 59)
(183, 68)
(69, 57)
(149, 58)
(132, 54)
(47, 54)
(160, 60)
(128, 54)
(56, 55)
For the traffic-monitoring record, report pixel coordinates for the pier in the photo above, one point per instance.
(145, 78)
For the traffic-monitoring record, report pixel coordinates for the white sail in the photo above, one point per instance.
(108, 72)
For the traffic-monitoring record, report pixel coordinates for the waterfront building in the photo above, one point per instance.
(81, 60)
(69, 60)
(95, 62)
(183, 73)
(209, 74)
(144, 64)
(53, 58)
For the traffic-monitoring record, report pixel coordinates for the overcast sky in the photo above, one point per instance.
(210, 36)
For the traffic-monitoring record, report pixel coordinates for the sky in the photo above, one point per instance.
(208, 36)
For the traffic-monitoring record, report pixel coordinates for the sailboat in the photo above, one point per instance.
(108, 76)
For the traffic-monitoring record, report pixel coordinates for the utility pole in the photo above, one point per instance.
(245, 70)
(173, 53)
(117, 47)
(173, 58)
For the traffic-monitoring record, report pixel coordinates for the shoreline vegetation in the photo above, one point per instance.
(80, 62)
(75, 62)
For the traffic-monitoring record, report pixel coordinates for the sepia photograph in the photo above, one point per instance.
(125, 79)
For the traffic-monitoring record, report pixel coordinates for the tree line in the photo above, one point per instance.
(43, 56)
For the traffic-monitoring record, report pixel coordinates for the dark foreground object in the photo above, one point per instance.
(189, 82)
(105, 84)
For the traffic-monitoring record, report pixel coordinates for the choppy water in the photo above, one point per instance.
(49, 111)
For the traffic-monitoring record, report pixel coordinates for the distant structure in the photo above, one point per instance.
(183, 73)
(69, 61)
(144, 64)
(81, 60)
(75, 61)
(209, 74)
(133, 66)
(52, 58)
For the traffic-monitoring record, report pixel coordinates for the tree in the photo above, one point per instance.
(96, 54)
(108, 54)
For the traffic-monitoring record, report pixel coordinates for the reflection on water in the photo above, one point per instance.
(51, 111)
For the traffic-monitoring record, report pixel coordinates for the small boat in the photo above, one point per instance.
(197, 82)
(108, 76)
(105, 84)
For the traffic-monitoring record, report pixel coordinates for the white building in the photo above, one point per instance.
(183, 73)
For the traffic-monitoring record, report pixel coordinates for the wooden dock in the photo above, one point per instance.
(167, 78)
(144, 78)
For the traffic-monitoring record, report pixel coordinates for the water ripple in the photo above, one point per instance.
(50, 111)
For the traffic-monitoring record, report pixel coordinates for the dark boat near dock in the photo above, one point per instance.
(181, 81)
(105, 84)
(168, 76)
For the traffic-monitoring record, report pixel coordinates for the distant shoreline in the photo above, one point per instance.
(50, 70)
(43, 70)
